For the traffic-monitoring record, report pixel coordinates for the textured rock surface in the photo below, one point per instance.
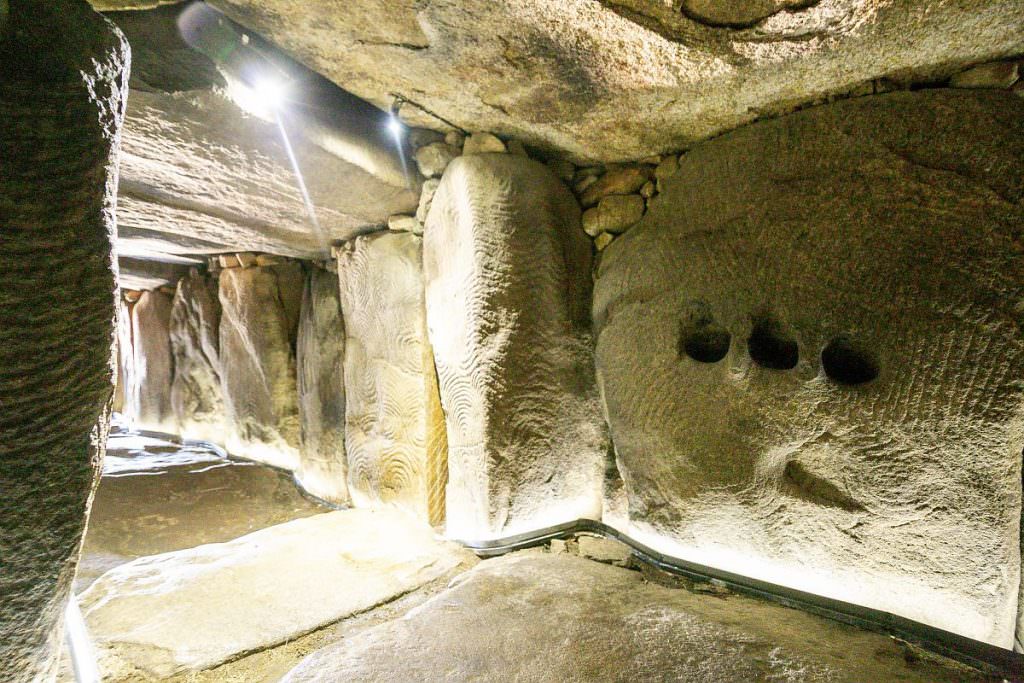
(200, 176)
(192, 609)
(614, 213)
(320, 356)
(508, 281)
(432, 159)
(622, 79)
(142, 274)
(149, 390)
(197, 399)
(61, 104)
(123, 355)
(195, 167)
(258, 326)
(873, 247)
(388, 420)
(581, 621)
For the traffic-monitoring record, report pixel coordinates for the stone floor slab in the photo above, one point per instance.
(192, 609)
(542, 617)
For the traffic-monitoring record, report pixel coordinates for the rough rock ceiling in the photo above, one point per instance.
(612, 80)
(199, 176)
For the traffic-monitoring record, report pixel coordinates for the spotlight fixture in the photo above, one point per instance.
(270, 92)
(396, 127)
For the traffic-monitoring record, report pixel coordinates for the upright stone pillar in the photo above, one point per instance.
(320, 354)
(392, 413)
(149, 393)
(507, 288)
(197, 399)
(63, 79)
(258, 325)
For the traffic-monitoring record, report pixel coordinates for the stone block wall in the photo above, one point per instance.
(508, 281)
(320, 355)
(197, 398)
(258, 328)
(811, 353)
(808, 352)
(388, 369)
(148, 398)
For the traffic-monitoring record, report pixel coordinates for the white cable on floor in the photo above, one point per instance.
(83, 658)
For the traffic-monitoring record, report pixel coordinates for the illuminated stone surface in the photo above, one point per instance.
(618, 80)
(63, 74)
(193, 609)
(196, 395)
(388, 420)
(196, 168)
(149, 391)
(320, 355)
(259, 320)
(508, 281)
(872, 247)
(156, 496)
(531, 617)
(200, 176)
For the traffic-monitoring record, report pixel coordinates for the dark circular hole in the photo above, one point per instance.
(770, 347)
(705, 342)
(846, 363)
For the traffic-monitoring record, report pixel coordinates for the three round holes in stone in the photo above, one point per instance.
(843, 360)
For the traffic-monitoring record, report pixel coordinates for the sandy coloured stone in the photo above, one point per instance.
(587, 622)
(991, 75)
(807, 355)
(403, 223)
(389, 423)
(148, 399)
(426, 196)
(667, 168)
(197, 397)
(320, 360)
(614, 213)
(482, 143)
(624, 180)
(190, 610)
(258, 325)
(603, 240)
(507, 274)
(434, 158)
(455, 138)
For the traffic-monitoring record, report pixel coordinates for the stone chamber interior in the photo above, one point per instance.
(453, 340)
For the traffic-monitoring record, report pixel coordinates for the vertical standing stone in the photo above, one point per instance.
(63, 79)
(125, 356)
(258, 327)
(122, 326)
(811, 354)
(196, 396)
(149, 396)
(389, 421)
(320, 354)
(507, 289)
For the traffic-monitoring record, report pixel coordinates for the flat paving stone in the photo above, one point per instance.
(536, 617)
(157, 495)
(193, 609)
